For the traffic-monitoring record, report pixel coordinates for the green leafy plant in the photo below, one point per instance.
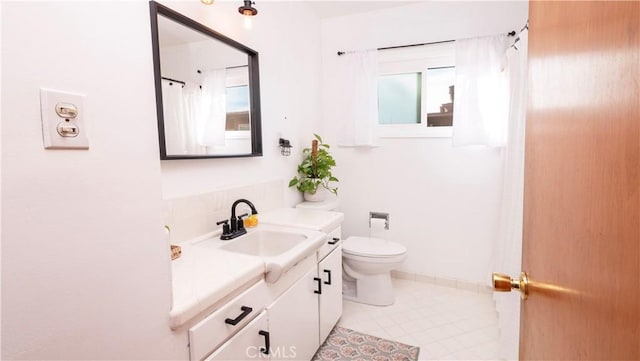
(315, 169)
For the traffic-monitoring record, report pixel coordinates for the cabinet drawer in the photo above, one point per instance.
(332, 241)
(248, 344)
(219, 326)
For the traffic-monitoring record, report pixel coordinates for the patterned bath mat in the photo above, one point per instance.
(345, 344)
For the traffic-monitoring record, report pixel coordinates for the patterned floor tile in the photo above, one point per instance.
(446, 323)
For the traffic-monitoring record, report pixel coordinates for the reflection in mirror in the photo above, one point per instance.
(208, 97)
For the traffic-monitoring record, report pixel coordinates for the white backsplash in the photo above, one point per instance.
(195, 215)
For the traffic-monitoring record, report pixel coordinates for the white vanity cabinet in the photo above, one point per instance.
(329, 261)
(302, 317)
(285, 320)
(293, 320)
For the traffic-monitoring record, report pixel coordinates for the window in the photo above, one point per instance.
(399, 98)
(238, 108)
(237, 91)
(440, 89)
(416, 91)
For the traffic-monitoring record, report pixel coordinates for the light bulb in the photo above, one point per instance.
(248, 24)
(207, 2)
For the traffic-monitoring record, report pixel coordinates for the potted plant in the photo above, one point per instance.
(314, 172)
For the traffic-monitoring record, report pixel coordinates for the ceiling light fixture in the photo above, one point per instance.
(207, 2)
(247, 9)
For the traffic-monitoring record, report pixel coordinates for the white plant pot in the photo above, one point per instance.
(320, 195)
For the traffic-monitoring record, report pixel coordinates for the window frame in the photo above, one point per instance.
(416, 59)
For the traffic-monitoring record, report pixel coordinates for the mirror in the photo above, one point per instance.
(207, 90)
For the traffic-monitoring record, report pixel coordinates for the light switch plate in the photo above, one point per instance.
(59, 132)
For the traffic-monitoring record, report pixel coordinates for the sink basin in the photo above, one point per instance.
(265, 243)
(280, 248)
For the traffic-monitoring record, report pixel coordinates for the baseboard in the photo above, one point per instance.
(442, 281)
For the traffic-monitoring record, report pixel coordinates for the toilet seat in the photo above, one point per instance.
(372, 247)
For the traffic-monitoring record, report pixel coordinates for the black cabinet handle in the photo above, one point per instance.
(319, 290)
(334, 240)
(267, 342)
(328, 272)
(245, 312)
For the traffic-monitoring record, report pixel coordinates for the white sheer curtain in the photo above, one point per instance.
(192, 108)
(173, 116)
(481, 104)
(361, 99)
(508, 247)
(213, 117)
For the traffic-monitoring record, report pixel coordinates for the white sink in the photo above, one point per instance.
(280, 248)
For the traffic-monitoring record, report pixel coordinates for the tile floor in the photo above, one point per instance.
(447, 323)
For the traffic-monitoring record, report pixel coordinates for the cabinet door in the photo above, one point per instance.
(330, 270)
(248, 344)
(293, 320)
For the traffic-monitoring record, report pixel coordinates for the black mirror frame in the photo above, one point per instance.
(157, 9)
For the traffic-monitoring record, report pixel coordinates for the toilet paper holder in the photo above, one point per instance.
(379, 215)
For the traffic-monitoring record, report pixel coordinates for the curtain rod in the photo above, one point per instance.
(525, 27)
(200, 72)
(511, 33)
(177, 81)
(174, 80)
(227, 68)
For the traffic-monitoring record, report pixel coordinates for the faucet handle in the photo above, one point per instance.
(240, 221)
(225, 226)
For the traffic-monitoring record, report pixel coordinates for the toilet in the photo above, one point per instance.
(366, 268)
(366, 263)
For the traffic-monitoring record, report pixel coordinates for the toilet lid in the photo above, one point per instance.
(372, 247)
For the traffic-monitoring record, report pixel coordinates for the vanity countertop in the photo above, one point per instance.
(318, 220)
(202, 277)
(210, 270)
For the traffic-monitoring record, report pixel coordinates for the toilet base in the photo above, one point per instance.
(374, 290)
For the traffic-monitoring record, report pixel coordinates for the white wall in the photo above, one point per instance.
(85, 262)
(443, 201)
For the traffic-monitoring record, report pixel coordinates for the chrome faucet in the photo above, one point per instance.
(234, 226)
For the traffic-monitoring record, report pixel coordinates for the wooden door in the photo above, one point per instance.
(581, 242)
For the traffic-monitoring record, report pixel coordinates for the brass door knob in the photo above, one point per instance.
(504, 283)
